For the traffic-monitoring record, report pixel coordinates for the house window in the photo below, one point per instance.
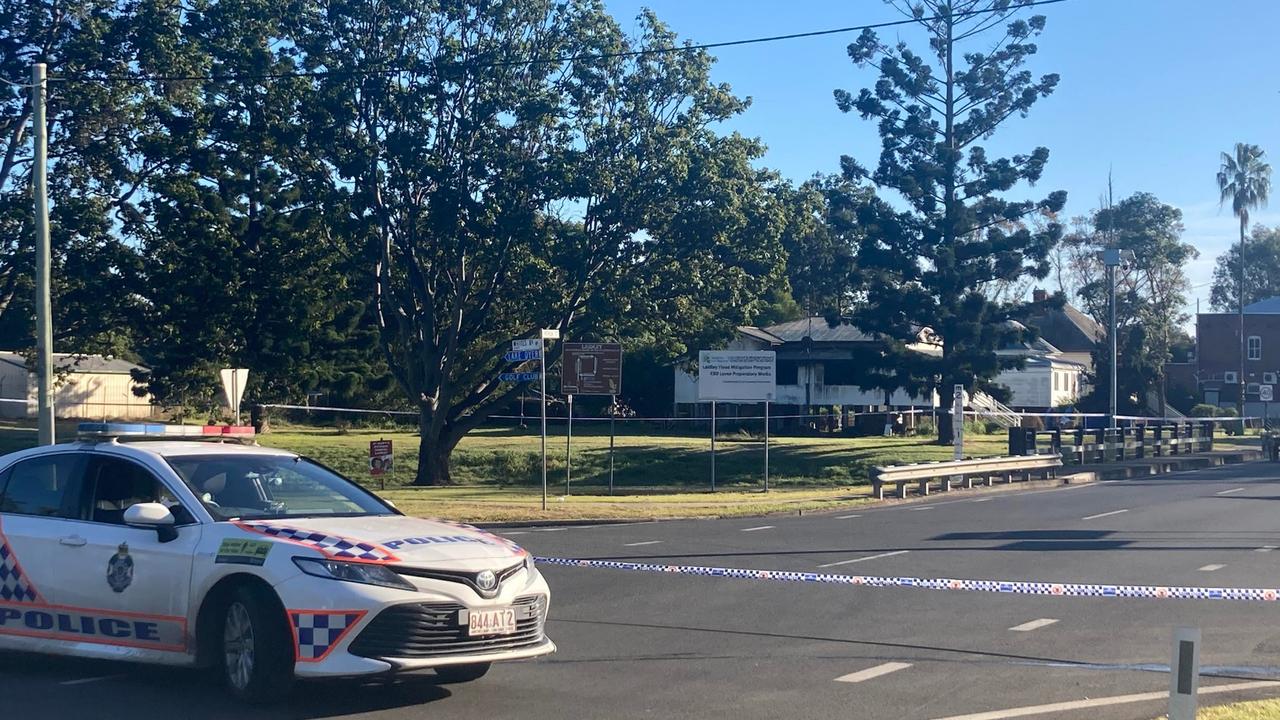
(1055, 383)
(1255, 347)
(842, 372)
(788, 372)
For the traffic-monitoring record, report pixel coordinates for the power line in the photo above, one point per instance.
(240, 77)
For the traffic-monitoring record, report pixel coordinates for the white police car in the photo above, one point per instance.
(253, 560)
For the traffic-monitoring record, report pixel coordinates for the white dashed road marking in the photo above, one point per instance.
(1228, 492)
(918, 509)
(983, 500)
(870, 557)
(1266, 548)
(638, 544)
(1211, 568)
(1106, 701)
(515, 532)
(1033, 625)
(762, 527)
(847, 517)
(875, 672)
(1105, 514)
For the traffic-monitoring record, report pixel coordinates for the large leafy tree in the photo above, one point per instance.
(91, 138)
(520, 164)
(1244, 179)
(928, 266)
(241, 266)
(1150, 296)
(1261, 270)
(821, 238)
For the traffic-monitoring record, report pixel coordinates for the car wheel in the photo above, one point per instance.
(257, 650)
(462, 673)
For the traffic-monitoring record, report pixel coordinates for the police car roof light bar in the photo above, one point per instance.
(153, 431)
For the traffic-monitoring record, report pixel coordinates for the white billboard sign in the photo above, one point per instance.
(737, 375)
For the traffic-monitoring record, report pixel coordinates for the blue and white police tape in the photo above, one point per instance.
(1015, 587)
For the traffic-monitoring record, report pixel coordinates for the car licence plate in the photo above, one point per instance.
(501, 621)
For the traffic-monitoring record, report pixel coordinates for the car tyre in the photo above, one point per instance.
(256, 647)
(451, 674)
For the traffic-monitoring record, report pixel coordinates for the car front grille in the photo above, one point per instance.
(427, 630)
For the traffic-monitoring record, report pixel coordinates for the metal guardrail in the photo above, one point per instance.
(1084, 446)
(1007, 469)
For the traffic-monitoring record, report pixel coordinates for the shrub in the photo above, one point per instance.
(1206, 410)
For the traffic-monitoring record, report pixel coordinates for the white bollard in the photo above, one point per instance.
(1184, 675)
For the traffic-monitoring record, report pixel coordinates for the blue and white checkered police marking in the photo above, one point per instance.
(317, 632)
(14, 584)
(992, 586)
(331, 545)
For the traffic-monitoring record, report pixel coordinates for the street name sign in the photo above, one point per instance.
(519, 376)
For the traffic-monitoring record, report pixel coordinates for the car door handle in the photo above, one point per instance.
(72, 540)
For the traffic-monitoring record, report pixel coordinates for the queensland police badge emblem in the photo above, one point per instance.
(120, 569)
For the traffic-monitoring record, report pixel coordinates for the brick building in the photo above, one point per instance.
(1218, 355)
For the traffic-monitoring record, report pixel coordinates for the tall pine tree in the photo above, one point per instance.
(928, 266)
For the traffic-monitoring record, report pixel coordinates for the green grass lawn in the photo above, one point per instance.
(513, 458)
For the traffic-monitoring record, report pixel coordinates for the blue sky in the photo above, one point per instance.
(1152, 90)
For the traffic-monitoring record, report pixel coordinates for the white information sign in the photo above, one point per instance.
(1266, 393)
(737, 375)
(526, 344)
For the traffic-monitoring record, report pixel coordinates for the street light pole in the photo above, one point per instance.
(44, 323)
(1111, 300)
(1113, 258)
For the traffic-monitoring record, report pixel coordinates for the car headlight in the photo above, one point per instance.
(366, 573)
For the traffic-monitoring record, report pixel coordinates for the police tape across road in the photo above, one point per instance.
(1015, 587)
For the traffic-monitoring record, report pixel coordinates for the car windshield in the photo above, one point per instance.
(272, 486)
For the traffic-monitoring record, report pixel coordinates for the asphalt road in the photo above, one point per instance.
(668, 646)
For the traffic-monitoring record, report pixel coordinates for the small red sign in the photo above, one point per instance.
(379, 457)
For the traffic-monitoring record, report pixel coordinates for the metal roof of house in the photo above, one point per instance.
(760, 334)
(1037, 346)
(1068, 329)
(818, 329)
(71, 362)
(1270, 306)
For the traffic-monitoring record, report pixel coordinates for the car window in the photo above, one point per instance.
(272, 486)
(115, 485)
(48, 486)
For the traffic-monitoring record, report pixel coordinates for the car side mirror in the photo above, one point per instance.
(152, 515)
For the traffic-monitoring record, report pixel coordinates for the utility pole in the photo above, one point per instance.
(1113, 258)
(44, 324)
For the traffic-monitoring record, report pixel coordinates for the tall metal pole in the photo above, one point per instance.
(1242, 384)
(44, 323)
(613, 415)
(766, 445)
(713, 446)
(542, 367)
(568, 446)
(1111, 282)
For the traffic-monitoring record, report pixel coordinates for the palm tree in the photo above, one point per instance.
(1245, 179)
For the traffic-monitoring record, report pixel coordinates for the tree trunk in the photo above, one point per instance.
(434, 453)
(946, 429)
